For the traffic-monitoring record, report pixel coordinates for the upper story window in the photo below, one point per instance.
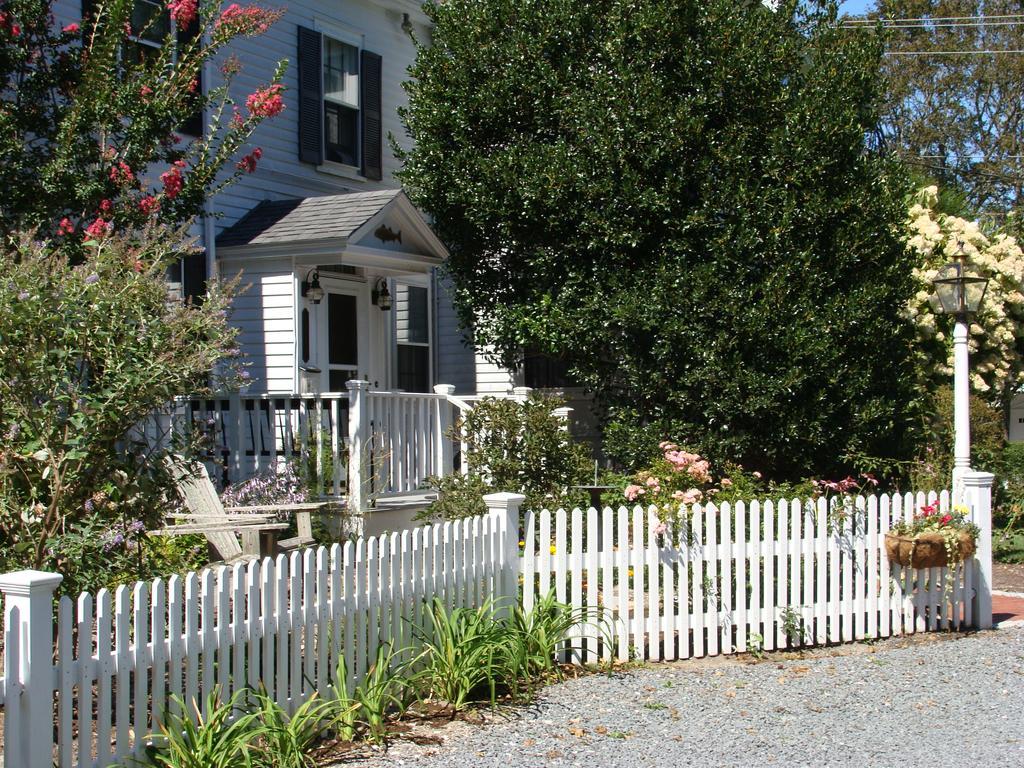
(339, 103)
(150, 24)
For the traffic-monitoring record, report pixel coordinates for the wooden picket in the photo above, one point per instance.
(751, 576)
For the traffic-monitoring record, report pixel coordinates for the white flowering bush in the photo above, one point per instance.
(995, 342)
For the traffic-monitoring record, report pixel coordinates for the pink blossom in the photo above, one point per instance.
(183, 11)
(756, 475)
(98, 230)
(121, 173)
(726, 482)
(65, 227)
(172, 180)
(145, 91)
(248, 162)
(692, 496)
(71, 29)
(106, 208)
(265, 102)
(653, 482)
(251, 20)
(633, 491)
(149, 204)
(699, 471)
(660, 529)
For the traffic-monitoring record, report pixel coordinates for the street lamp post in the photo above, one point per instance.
(960, 295)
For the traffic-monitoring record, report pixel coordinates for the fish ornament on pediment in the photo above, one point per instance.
(385, 234)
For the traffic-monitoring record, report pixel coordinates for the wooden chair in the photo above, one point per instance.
(258, 525)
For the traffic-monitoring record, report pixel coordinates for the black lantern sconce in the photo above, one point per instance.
(380, 296)
(311, 287)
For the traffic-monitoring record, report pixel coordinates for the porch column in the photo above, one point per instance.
(359, 435)
(444, 452)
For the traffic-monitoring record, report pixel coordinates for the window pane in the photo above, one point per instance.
(336, 381)
(150, 21)
(414, 368)
(411, 316)
(340, 132)
(343, 348)
(341, 72)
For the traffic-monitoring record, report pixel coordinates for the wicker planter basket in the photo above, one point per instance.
(925, 550)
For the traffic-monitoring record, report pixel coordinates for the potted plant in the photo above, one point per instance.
(932, 538)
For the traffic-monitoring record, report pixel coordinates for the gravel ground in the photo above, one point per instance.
(929, 700)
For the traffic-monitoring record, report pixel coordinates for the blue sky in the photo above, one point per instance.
(855, 6)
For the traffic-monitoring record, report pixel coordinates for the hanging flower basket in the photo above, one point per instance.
(929, 549)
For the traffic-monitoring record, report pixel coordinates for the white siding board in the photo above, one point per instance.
(265, 318)
(455, 362)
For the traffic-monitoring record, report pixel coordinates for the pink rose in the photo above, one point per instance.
(632, 491)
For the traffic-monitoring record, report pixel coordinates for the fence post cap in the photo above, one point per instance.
(444, 389)
(27, 583)
(503, 499)
(357, 384)
(975, 479)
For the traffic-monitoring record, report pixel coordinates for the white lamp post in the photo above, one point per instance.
(960, 295)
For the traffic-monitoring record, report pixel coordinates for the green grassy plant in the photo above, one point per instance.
(465, 652)
(286, 741)
(226, 736)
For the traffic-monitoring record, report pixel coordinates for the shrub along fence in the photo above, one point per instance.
(739, 578)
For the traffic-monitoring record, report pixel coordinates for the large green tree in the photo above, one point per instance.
(676, 198)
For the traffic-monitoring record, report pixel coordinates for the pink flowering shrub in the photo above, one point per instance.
(90, 137)
(265, 102)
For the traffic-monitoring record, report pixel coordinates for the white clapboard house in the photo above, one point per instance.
(348, 334)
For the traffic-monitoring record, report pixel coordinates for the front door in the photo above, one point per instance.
(344, 343)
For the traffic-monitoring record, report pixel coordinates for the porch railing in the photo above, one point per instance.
(362, 444)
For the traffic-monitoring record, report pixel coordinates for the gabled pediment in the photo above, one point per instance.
(399, 227)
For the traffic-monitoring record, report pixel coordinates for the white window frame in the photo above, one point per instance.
(414, 281)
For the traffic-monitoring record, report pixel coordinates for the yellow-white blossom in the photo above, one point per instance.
(995, 340)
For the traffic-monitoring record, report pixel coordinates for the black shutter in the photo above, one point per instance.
(311, 125)
(193, 124)
(193, 277)
(88, 13)
(370, 67)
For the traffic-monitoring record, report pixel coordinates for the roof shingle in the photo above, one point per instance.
(308, 218)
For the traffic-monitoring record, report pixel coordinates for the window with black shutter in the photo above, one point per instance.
(151, 23)
(339, 103)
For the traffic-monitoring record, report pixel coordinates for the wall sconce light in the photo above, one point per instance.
(380, 296)
(406, 24)
(311, 288)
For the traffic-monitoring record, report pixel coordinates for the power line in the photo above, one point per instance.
(924, 19)
(953, 53)
(946, 25)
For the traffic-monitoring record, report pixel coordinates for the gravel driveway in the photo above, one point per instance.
(926, 701)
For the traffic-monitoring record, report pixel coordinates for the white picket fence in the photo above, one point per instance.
(281, 624)
(749, 576)
(770, 575)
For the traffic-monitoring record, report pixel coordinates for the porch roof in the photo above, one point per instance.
(353, 222)
(306, 218)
